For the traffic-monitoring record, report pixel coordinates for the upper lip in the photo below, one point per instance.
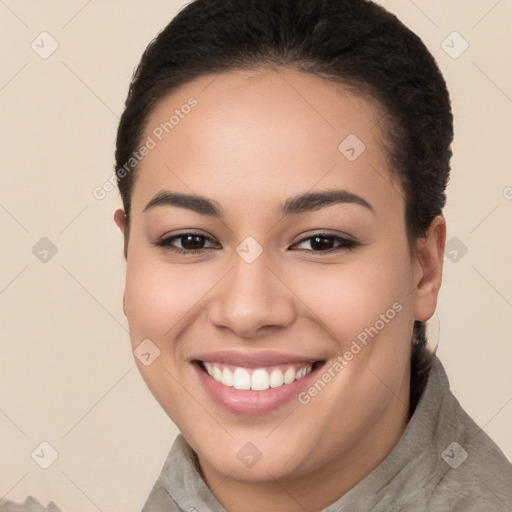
(255, 360)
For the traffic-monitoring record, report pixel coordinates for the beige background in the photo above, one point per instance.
(67, 374)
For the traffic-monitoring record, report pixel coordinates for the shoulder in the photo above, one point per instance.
(479, 475)
(463, 469)
(29, 505)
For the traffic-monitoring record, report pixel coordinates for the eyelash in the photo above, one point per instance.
(345, 243)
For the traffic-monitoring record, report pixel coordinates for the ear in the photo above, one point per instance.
(120, 220)
(430, 257)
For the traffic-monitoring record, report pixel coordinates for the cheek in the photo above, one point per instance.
(349, 298)
(162, 298)
(146, 293)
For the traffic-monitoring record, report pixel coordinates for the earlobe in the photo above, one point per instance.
(430, 255)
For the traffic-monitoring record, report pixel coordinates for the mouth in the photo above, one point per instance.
(254, 385)
(257, 379)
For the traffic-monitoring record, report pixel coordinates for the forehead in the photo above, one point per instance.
(266, 133)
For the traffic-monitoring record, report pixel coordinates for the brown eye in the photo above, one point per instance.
(191, 243)
(323, 242)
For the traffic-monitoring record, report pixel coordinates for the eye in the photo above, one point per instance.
(191, 243)
(325, 243)
(194, 243)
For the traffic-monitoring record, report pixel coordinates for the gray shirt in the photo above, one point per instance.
(443, 462)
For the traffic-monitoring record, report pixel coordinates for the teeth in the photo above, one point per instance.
(241, 378)
(227, 377)
(217, 373)
(276, 378)
(259, 380)
(289, 376)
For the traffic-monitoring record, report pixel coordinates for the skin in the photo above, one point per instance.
(255, 139)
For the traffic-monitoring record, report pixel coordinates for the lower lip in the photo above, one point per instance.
(249, 402)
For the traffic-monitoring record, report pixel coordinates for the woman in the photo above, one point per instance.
(284, 241)
(282, 165)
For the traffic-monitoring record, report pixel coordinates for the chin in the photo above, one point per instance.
(255, 461)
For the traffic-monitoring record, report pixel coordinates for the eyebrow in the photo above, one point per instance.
(309, 201)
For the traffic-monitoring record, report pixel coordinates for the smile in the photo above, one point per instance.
(254, 384)
(256, 379)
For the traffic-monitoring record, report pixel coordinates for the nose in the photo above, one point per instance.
(252, 298)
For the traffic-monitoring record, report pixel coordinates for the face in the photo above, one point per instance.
(285, 274)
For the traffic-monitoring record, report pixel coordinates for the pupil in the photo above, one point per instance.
(192, 242)
(321, 242)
